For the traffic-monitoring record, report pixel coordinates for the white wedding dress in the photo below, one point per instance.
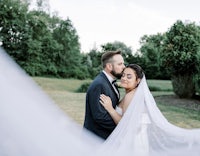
(141, 142)
(32, 125)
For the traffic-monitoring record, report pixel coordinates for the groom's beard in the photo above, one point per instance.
(117, 75)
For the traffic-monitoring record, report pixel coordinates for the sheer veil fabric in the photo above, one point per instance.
(32, 125)
(144, 131)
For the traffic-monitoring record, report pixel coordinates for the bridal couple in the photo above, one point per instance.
(132, 125)
(31, 124)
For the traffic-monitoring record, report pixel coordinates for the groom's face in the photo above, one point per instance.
(117, 66)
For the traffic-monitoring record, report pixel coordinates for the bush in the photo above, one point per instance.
(154, 88)
(83, 88)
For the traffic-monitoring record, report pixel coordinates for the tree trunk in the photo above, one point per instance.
(183, 85)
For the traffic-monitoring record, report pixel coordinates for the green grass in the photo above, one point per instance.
(70, 85)
(163, 85)
(180, 116)
(63, 92)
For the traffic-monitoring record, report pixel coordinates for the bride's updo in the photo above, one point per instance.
(138, 70)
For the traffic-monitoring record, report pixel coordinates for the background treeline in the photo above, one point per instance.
(44, 44)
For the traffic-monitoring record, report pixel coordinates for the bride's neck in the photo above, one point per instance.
(130, 90)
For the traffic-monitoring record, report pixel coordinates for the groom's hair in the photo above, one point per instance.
(107, 57)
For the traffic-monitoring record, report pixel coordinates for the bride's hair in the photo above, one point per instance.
(138, 70)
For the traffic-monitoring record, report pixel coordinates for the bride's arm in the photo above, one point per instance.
(107, 104)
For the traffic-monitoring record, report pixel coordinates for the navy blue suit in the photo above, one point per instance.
(97, 119)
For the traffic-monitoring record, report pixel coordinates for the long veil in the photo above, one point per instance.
(144, 131)
(32, 125)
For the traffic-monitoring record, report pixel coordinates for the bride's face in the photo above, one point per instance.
(129, 80)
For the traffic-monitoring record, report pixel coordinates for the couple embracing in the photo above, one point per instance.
(132, 125)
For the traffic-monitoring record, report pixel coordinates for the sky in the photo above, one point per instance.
(101, 21)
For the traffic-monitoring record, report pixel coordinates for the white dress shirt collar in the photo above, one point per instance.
(111, 80)
(108, 76)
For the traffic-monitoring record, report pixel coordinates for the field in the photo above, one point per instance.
(181, 112)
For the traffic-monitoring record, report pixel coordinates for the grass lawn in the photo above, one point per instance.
(62, 91)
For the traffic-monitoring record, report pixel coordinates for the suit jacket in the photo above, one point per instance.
(97, 119)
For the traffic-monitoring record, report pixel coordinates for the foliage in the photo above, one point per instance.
(154, 88)
(42, 47)
(93, 62)
(13, 30)
(83, 88)
(181, 48)
(42, 44)
(181, 56)
(151, 48)
(69, 56)
(117, 45)
(93, 58)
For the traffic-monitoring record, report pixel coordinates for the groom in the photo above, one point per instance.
(97, 119)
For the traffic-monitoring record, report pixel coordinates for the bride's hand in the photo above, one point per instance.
(106, 102)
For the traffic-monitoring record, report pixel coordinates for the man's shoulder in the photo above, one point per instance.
(99, 80)
(101, 77)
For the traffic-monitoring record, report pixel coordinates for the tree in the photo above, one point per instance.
(43, 5)
(69, 58)
(40, 44)
(181, 56)
(13, 30)
(117, 45)
(94, 62)
(151, 47)
(93, 58)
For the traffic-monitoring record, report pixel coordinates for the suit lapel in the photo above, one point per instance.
(111, 87)
(118, 94)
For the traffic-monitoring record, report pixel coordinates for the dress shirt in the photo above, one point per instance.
(112, 81)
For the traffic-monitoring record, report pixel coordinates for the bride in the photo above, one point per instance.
(131, 77)
(143, 130)
(31, 124)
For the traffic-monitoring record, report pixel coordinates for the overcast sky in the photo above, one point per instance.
(100, 21)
